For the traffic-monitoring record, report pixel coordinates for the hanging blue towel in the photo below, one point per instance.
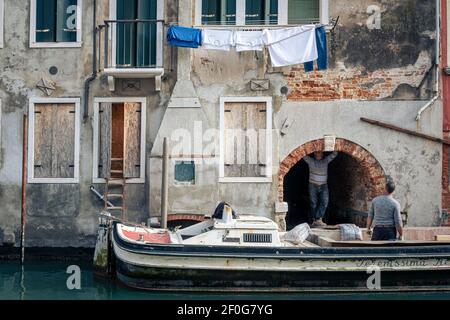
(184, 37)
(322, 61)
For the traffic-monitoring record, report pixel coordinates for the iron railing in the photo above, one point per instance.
(130, 44)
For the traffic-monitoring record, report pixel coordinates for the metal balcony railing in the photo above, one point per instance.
(130, 44)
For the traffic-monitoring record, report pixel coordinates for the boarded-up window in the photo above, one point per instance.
(245, 139)
(54, 140)
(119, 139)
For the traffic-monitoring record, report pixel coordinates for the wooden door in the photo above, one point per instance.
(132, 140)
(105, 116)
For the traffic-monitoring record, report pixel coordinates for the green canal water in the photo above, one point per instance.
(48, 281)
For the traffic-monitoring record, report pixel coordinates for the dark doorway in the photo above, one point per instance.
(117, 139)
(349, 187)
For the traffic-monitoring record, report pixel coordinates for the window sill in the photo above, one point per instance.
(134, 73)
(55, 45)
(128, 181)
(245, 180)
(53, 181)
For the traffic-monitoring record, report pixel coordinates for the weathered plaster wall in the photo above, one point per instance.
(383, 74)
(62, 215)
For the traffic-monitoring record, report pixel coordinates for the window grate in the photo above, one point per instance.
(258, 237)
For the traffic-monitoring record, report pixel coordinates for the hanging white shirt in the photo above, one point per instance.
(291, 45)
(248, 40)
(214, 39)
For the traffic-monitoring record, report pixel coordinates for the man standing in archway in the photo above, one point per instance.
(318, 187)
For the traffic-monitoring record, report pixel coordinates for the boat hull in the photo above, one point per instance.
(221, 269)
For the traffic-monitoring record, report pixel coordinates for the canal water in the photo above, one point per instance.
(48, 281)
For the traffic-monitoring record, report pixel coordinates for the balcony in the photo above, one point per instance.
(131, 49)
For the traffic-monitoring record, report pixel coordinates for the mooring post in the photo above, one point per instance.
(165, 184)
(24, 187)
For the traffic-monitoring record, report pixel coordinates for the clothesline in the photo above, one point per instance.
(287, 46)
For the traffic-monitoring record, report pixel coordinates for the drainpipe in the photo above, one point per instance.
(438, 57)
(93, 76)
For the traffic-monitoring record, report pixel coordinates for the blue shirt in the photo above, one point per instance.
(184, 37)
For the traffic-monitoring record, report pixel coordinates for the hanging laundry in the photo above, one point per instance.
(184, 37)
(248, 40)
(322, 60)
(214, 39)
(291, 45)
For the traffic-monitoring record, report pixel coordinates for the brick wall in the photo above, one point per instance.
(354, 83)
(445, 178)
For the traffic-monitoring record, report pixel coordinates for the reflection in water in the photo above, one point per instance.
(47, 281)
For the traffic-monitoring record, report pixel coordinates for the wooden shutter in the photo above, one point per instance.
(64, 30)
(273, 12)
(54, 141)
(245, 139)
(254, 11)
(303, 11)
(45, 20)
(255, 124)
(105, 128)
(211, 11)
(234, 152)
(132, 140)
(126, 34)
(146, 34)
(230, 12)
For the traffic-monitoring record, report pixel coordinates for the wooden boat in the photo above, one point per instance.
(248, 254)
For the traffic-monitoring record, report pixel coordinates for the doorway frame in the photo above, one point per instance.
(96, 135)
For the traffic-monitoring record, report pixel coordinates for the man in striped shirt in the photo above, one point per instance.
(318, 187)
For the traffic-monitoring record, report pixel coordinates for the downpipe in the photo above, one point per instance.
(93, 76)
(437, 63)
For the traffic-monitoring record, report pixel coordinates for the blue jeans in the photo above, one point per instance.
(384, 234)
(319, 198)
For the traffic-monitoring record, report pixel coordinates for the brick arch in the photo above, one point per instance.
(375, 171)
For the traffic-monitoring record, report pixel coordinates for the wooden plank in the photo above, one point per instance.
(105, 139)
(63, 141)
(442, 237)
(43, 140)
(406, 131)
(234, 139)
(255, 122)
(132, 140)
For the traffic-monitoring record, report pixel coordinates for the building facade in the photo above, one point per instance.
(99, 83)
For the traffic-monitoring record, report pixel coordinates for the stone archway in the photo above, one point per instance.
(352, 154)
(184, 220)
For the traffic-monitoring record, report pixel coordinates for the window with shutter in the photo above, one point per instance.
(303, 11)
(54, 141)
(262, 12)
(254, 11)
(245, 139)
(217, 12)
(55, 23)
(136, 42)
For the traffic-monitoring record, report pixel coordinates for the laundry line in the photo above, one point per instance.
(287, 46)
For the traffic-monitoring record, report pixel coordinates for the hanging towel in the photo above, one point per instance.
(322, 51)
(184, 37)
(217, 39)
(248, 40)
(291, 45)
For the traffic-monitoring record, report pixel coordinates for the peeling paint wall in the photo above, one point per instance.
(61, 215)
(383, 74)
(386, 74)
